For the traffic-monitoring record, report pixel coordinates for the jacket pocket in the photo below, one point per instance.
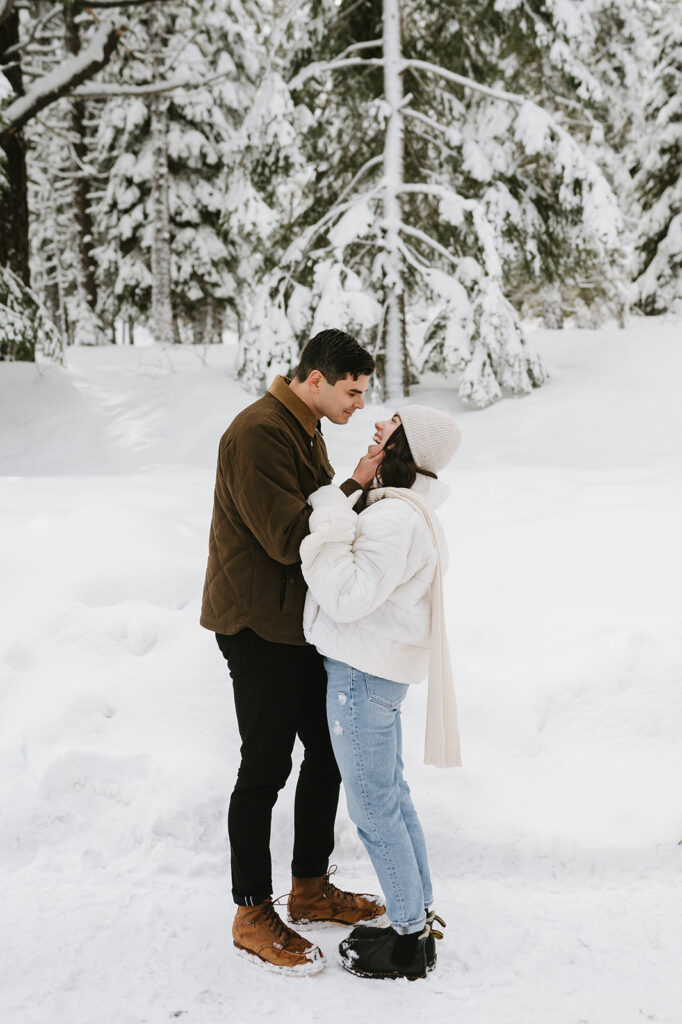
(282, 589)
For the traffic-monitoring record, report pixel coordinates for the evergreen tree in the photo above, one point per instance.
(209, 42)
(430, 196)
(24, 323)
(658, 178)
(24, 56)
(267, 188)
(60, 187)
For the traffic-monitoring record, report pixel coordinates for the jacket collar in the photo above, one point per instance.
(434, 492)
(280, 390)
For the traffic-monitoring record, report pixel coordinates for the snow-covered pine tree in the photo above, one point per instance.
(60, 186)
(494, 199)
(51, 220)
(24, 323)
(36, 81)
(617, 56)
(208, 42)
(162, 320)
(658, 178)
(267, 188)
(536, 167)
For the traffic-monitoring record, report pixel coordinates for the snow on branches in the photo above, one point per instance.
(457, 206)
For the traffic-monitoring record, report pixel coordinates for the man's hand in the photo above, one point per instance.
(366, 469)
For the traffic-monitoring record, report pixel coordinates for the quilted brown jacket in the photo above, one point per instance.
(270, 459)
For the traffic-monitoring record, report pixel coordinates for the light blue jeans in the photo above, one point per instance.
(364, 723)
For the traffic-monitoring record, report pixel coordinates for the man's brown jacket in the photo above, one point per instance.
(270, 459)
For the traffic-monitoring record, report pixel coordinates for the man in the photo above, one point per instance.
(271, 458)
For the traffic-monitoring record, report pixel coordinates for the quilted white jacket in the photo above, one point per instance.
(369, 578)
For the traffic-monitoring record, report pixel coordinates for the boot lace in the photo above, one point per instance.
(331, 890)
(282, 931)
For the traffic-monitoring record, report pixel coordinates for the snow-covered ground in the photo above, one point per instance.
(555, 849)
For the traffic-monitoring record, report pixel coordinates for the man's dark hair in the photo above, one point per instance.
(336, 355)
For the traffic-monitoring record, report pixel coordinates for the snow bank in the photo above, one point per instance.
(555, 849)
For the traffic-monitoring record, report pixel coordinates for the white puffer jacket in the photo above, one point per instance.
(369, 579)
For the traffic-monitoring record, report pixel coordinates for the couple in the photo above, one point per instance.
(327, 603)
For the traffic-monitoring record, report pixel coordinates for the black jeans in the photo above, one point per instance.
(279, 693)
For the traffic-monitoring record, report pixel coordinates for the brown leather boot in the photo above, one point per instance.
(315, 901)
(260, 934)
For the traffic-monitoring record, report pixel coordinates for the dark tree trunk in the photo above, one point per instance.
(84, 234)
(164, 325)
(13, 201)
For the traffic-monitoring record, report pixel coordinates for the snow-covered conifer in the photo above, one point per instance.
(659, 176)
(25, 326)
(201, 42)
(62, 264)
(441, 202)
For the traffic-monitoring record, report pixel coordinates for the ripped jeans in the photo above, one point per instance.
(363, 712)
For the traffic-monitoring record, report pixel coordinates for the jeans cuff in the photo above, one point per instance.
(410, 927)
(251, 901)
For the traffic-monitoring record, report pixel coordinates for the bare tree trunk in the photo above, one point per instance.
(208, 329)
(394, 319)
(552, 308)
(13, 201)
(163, 323)
(62, 318)
(84, 233)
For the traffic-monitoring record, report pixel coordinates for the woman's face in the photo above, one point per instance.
(383, 430)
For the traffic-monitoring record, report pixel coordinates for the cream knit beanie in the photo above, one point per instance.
(432, 435)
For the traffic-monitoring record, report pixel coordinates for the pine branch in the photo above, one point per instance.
(438, 143)
(421, 236)
(500, 94)
(344, 14)
(339, 208)
(88, 172)
(370, 45)
(105, 90)
(58, 82)
(414, 259)
(430, 121)
(172, 59)
(372, 162)
(319, 67)
(108, 4)
(311, 233)
(438, 190)
(451, 76)
(38, 26)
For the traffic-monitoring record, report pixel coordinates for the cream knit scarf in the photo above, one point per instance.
(442, 747)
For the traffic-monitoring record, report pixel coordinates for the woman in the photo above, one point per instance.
(375, 611)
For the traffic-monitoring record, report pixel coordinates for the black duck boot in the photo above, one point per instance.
(383, 953)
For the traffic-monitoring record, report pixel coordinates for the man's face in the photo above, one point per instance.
(339, 401)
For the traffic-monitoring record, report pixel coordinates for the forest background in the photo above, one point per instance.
(452, 182)
(430, 176)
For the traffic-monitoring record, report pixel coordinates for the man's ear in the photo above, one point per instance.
(315, 380)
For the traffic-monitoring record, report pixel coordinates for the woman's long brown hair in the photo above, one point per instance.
(397, 468)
